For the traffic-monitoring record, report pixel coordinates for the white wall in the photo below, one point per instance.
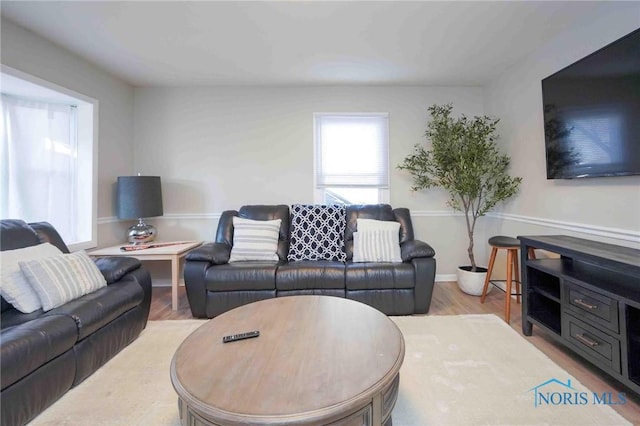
(218, 148)
(606, 209)
(32, 54)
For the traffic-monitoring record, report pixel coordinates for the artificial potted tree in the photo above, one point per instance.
(463, 159)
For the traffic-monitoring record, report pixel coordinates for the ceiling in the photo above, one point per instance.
(192, 43)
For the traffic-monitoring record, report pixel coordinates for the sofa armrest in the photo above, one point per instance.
(425, 268)
(413, 249)
(215, 253)
(114, 268)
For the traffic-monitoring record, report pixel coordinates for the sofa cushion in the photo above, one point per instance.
(13, 317)
(95, 310)
(403, 217)
(310, 274)
(219, 302)
(16, 233)
(114, 268)
(383, 275)
(48, 234)
(254, 239)
(30, 345)
(251, 275)
(317, 233)
(391, 302)
(14, 286)
(4, 305)
(60, 279)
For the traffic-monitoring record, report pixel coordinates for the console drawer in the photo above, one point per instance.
(601, 348)
(591, 306)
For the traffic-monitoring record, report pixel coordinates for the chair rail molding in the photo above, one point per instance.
(108, 219)
(190, 216)
(169, 216)
(583, 228)
(602, 231)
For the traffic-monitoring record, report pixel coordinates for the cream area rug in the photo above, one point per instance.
(458, 370)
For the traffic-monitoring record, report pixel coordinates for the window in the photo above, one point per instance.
(351, 158)
(47, 158)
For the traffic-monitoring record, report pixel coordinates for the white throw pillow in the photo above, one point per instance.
(255, 239)
(376, 241)
(14, 286)
(372, 224)
(60, 279)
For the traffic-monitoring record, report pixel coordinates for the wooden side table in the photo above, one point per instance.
(174, 253)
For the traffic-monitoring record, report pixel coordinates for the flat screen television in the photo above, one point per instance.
(592, 114)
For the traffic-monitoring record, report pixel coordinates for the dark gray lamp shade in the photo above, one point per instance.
(139, 197)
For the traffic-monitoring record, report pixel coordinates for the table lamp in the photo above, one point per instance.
(139, 197)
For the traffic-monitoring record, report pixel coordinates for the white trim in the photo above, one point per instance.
(615, 233)
(30, 78)
(107, 220)
(602, 231)
(441, 278)
(170, 216)
(190, 216)
(435, 213)
(96, 162)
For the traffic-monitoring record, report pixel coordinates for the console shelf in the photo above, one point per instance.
(589, 299)
(633, 341)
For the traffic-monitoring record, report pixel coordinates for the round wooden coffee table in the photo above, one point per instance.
(318, 360)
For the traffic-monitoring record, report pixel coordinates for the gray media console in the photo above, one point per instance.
(588, 298)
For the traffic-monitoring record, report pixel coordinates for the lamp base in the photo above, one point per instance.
(141, 233)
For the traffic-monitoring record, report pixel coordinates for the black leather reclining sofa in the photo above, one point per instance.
(215, 286)
(44, 354)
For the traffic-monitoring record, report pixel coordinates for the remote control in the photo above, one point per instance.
(241, 336)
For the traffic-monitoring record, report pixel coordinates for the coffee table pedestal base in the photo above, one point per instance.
(377, 413)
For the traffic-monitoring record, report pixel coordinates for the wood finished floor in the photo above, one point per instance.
(449, 300)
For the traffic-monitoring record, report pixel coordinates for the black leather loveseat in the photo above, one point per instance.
(214, 285)
(44, 354)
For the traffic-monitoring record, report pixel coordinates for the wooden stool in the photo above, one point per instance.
(512, 245)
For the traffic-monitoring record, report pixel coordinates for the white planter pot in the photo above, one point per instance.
(472, 282)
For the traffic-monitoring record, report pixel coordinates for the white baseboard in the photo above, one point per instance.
(164, 282)
(446, 278)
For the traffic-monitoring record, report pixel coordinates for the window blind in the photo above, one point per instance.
(352, 150)
(39, 162)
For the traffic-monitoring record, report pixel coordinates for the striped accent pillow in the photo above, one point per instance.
(372, 224)
(255, 239)
(376, 241)
(14, 286)
(60, 279)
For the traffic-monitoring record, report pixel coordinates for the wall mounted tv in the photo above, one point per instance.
(592, 114)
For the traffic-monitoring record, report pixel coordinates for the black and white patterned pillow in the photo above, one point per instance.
(317, 232)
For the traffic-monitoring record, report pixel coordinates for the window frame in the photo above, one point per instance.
(87, 133)
(319, 192)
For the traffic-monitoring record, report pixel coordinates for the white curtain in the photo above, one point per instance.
(352, 150)
(38, 163)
